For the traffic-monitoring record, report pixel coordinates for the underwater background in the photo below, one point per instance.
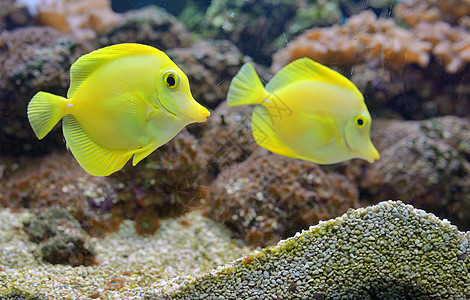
(202, 217)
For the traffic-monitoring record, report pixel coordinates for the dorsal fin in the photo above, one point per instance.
(307, 69)
(90, 62)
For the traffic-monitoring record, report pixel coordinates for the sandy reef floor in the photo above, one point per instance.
(129, 264)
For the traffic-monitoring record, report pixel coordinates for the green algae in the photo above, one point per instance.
(386, 251)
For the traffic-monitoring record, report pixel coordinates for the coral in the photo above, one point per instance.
(227, 137)
(386, 251)
(417, 11)
(423, 163)
(436, 22)
(14, 14)
(31, 59)
(364, 38)
(169, 182)
(84, 18)
(451, 45)
(58, 180)
(61, 238)
(210, 66)
(269, 197)
(150, 26)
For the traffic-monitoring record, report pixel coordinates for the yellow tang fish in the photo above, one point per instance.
(124, 100)
(306, 111)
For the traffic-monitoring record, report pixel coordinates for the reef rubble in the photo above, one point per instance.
(386, 251)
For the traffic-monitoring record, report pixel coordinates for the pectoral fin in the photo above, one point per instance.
(143, 153)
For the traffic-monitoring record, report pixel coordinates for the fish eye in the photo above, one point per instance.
(170, 79)
(360, 121)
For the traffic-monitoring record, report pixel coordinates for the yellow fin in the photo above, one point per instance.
(246, 88)
(44, 112)
(307, 69)
(94, 158)
(88, 63)
(264, 133)
(143, 153)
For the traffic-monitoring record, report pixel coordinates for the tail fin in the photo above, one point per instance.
(246, 88)
(44, 112)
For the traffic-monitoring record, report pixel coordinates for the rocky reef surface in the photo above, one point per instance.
(386, 251)
(149, 231)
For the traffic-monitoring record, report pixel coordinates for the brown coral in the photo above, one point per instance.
(269, 197)
(417, 11)
(363, 38)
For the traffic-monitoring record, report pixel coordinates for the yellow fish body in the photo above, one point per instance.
(306, 111)
(124, 100)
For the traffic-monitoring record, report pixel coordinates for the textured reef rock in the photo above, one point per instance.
(210, 67)
(31, 59)
(227, 137)
(386, 251)
(270, 197)
(14, 14)
(56, 180)
(169, 182)
(151, 26)
(424, 163)
(61, 238)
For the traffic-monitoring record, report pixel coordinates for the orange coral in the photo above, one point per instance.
(84, 18)
(364, 38)
(451, 44)
(417, 11)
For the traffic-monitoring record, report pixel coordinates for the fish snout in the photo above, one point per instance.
(203, 114)
(372, 154)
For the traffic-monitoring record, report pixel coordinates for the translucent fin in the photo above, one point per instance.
(94, 158)
(246, 88)
(307, 69)
(143, 153)
(44, 112)
(90, 62)
(265, 135)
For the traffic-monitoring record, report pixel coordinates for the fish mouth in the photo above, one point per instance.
(371, 157)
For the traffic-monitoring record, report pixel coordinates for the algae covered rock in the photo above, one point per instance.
(151, 26)
(270, 197)
(31, 59)
(425, 163)
(387, 251)
(60, 237)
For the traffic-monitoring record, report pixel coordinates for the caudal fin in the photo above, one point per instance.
(44, 112)
(246, 88)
